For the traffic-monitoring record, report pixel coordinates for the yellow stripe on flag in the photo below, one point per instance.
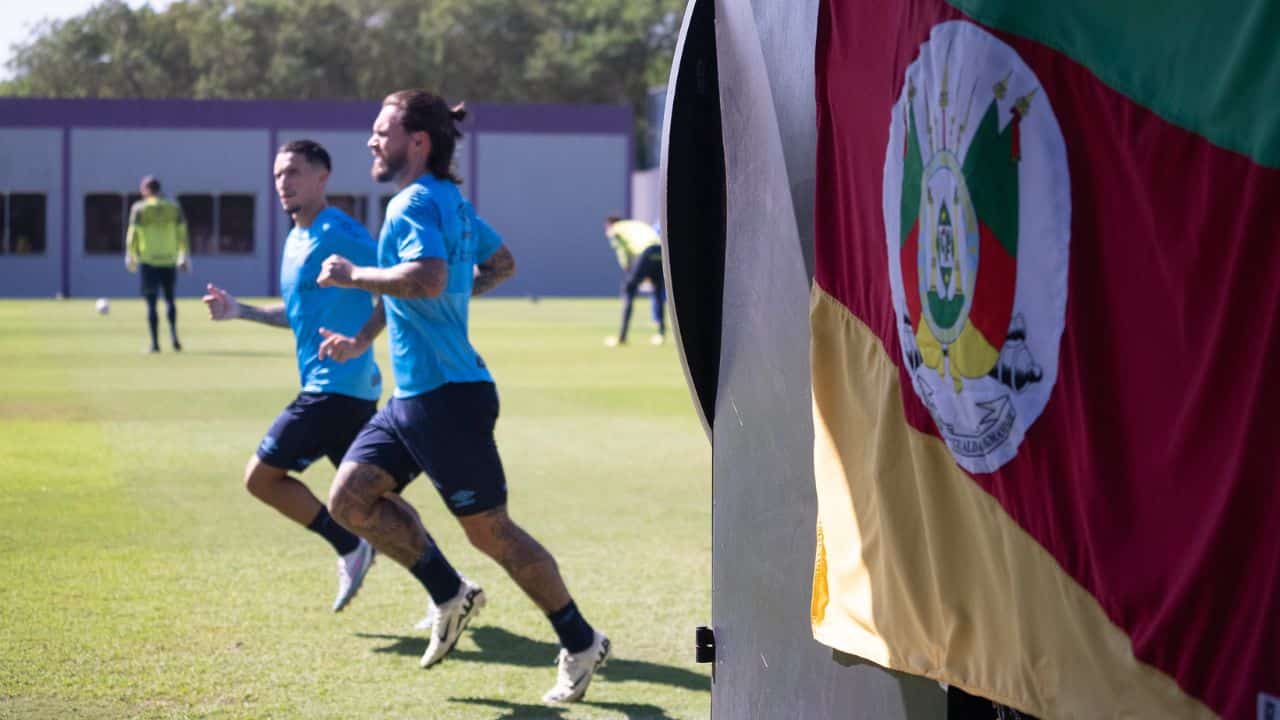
(920, 570)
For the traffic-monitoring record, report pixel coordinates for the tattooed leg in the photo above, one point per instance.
(528, 563)
(363, 500)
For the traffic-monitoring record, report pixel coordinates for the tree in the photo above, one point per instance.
(569, 51)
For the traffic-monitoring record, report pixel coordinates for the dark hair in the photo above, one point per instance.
(313, 151)
(151, 183)
(612, 219)
(422, 111)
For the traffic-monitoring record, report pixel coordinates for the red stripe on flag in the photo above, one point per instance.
(993, 290)
(1150, 476)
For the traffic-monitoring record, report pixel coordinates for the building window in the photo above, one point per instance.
(235, 224)
(216, 224)
(25, 222)
(198, 210)
(357, 206)
(104, 223)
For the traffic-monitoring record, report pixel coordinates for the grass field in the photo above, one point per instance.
(139, 579)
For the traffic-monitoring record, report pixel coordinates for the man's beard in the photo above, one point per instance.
(391, 166)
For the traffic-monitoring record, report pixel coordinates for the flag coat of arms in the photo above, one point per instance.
(1045, 319)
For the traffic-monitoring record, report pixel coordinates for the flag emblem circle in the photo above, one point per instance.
(977, 208)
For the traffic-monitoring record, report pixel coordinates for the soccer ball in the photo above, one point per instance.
(103, 306)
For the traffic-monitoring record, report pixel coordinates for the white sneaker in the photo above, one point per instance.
(657, 339)
(576, 670)
(614, 341)
(451, 619)
(352, 568)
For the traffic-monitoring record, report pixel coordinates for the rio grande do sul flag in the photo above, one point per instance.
(1046, 350)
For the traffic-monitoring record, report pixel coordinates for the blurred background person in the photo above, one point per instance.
(155, 245)
(639, 250)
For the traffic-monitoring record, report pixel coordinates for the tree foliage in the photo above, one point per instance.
(607, 51)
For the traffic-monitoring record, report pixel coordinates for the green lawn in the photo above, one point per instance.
(139, 579)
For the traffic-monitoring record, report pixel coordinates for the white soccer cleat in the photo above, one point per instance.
(576, 670)
(451, 618)
(352, 568)
(657, 339)
(614, 341)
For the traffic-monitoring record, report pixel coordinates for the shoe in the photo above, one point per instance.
(177, 346)
(352, 568)
(576, 670)
(152, 350)
(451, 619)
(657, 339)
(614, 341)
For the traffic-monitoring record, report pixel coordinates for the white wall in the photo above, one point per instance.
(185, 161)
(646, 195)
(31, 161)
(548, 195)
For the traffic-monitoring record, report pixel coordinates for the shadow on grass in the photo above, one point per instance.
(501, 646)
(524, 711)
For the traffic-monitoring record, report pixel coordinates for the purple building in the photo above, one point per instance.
(544, 175)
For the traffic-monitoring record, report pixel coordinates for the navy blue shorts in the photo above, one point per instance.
(647, 267)
(314, 425)
(157, 278)
(446, 433)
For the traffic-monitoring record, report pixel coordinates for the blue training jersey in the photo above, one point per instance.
(310, 307)
(429, 345)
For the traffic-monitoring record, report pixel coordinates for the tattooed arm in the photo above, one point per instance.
(270, 315)
(424, 278)
(493, 272)
(223, 306)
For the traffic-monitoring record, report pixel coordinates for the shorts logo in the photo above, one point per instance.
(463, 498)
(977, 212)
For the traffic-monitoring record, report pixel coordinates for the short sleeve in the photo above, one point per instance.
(420, 231)
(487, 240)
(358, 246)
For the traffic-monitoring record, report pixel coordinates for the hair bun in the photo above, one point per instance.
(458, 112)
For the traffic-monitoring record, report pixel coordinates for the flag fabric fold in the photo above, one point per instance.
(1046, 305)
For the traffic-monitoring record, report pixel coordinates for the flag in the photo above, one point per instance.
(1046, 326)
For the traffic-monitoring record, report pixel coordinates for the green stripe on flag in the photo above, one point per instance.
(992, 175)
(912, 170)
(1208, 66)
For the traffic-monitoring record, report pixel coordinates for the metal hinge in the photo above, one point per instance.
(704, 649)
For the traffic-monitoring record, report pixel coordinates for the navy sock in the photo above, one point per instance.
(437, 575)
(575, 633)
(342, 539)
(627, 300)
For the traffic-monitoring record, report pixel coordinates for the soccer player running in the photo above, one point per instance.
(639, 251)
(156, 243)
(337, 399)
(434, 253)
